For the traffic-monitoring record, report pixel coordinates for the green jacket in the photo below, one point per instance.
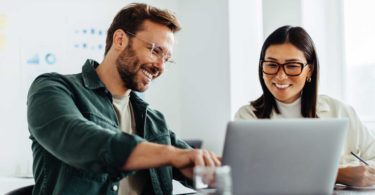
(77, 145)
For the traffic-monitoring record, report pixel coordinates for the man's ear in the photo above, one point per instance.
(120, 40)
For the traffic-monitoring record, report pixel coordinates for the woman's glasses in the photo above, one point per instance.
(290, 68)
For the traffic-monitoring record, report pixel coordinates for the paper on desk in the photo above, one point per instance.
(362, 188)
(178, 188)
(341, 186)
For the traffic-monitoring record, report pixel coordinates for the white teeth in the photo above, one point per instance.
(149, 75)
(281, 86)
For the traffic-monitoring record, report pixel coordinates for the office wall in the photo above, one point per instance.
(217, 55)
(279, 13)
(245, 40)
(204, 71)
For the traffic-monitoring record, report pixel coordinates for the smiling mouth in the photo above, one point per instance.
(281, 86)
(147, 74)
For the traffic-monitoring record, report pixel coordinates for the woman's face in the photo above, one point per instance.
(285, 88)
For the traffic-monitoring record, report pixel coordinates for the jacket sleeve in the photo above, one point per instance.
(246, 112)
(57, 124)
(360, 140)
(177, 175)
(366, 139)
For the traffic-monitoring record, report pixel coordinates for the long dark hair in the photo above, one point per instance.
(298, 37)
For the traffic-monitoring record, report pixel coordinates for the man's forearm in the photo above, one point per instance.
(150, 155)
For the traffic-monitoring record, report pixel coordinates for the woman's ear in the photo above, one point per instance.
(311, 70)
(310, 73)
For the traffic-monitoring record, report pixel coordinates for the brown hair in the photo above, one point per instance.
(131, 18)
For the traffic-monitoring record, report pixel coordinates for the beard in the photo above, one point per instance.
(128, 65)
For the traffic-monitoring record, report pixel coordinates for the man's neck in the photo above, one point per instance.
(109, 75)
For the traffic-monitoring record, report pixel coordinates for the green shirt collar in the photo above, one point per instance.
(91, 79)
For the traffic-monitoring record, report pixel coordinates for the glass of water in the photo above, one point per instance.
(213, 180)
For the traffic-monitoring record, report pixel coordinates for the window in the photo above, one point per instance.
(359, 55)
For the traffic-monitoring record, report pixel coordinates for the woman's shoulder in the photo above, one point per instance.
(327, 104)
(245, 112)
(329, 101)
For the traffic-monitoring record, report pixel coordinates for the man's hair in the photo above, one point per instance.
(131, 18)
(298, 37)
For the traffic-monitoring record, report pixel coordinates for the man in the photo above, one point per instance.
(89, 130)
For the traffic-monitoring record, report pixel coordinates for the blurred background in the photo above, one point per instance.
(217, 55)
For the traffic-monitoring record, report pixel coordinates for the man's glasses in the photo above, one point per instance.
(290, 68)
(155, 49)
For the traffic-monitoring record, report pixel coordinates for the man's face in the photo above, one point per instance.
(144, 57)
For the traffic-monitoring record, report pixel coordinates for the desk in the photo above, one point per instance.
(8, 184)
(342, 190)
(354, 192)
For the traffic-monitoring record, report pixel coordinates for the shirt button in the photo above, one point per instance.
(114, 188)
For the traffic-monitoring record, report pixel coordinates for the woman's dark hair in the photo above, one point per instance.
(298, 37)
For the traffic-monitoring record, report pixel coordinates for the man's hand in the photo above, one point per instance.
(359, 175)
(186, 160)
(150, 155)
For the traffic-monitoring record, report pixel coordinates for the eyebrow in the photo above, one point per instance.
(151, 43)
(164, 49)
(288, 60)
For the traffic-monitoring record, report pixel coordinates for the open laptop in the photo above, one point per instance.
(288, 156)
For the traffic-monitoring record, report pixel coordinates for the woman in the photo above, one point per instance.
(288, 74)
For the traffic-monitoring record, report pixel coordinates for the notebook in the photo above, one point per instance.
(288, 156)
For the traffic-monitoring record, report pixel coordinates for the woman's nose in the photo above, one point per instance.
(281, 74)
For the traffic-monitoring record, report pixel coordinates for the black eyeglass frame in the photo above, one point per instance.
(303, 65)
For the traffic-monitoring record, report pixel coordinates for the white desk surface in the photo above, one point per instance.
(10, 183)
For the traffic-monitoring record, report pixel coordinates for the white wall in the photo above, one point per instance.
(245, 40)
(278, 13)
(216, 72)
(204, 70)
(323, 20)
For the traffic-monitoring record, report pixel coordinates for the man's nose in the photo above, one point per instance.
(160, 63)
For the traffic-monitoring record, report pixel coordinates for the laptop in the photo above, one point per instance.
(288, 156)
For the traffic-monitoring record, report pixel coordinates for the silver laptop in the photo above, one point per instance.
(288, 156)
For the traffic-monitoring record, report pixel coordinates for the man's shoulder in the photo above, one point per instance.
(53, 77)
(55, 81)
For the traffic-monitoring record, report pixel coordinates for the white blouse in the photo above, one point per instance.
(359, 140)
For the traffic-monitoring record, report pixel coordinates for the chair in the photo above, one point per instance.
(194, 143)
(26, 190)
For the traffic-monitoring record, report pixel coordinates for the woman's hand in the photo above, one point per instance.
(358, 175)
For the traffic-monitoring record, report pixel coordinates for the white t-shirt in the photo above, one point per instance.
(134, 184)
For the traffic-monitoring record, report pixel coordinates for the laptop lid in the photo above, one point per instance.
(288, 156)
